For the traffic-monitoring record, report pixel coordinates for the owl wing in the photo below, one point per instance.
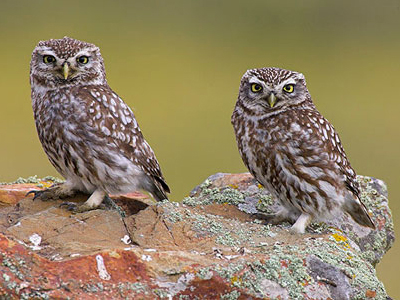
(331, 141)
(333, 147)
(113, 118)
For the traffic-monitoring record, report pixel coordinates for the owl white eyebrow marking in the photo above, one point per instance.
(46, 51)
(255, 79)
(84, 52)
(288, 81)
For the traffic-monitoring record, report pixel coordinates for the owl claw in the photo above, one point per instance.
(52, 193)
(76, 208)
(43, 195)
(36, 193)
(70, 206)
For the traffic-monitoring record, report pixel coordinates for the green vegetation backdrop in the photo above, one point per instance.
(179, 63)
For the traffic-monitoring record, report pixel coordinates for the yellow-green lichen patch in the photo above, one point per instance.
(172, 210)
(35, 180)
(211, 225)
(230, 232)
(265, 203)
(161, 293)
(234, 295)
(14, 275)
(215, 195)
(133, 288)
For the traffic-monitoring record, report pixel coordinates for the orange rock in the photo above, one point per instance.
(10, 194)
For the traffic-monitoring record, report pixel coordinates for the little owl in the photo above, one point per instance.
(293, 151)
(87, 131)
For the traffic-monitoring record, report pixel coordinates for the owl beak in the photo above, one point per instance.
(65, 70)
(271, 100)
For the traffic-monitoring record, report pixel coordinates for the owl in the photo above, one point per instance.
(293, 151)
(88, 132)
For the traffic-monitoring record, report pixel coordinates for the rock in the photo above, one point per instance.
(209, 246)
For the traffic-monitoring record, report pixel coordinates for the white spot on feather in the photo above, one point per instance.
(123, 119)
(327, 127)
(337, 139)
(295, 127)
(105, 130)
(325, 133)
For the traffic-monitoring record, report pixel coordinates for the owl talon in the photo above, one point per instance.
(76, 208)
(70, 206)
(52, 193)
(36, 194)
(44, 195)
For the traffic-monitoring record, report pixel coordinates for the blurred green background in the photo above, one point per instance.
(179, 64)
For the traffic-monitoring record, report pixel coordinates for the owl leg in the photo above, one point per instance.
(300, 225)
(55, 192)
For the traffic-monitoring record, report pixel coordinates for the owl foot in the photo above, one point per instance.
(76, 208)
(95, 201)
(107, 203)
(300, 225)
(52, 193)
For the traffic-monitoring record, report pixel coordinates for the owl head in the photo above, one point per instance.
(272, 89)
(58, 63)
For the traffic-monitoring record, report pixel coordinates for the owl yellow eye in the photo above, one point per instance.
(48, 59)
(289, 88)
(256, 88)
(82, 59)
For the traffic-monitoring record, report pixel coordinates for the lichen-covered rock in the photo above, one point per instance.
(210, 246)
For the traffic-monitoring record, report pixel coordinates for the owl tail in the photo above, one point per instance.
(358, 211)
(159, 189)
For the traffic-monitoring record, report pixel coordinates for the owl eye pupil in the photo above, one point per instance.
(256, 88)
(83, 59)
(49, 59)
(289, 88)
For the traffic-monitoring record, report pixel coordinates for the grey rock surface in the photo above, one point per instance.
(332, 260)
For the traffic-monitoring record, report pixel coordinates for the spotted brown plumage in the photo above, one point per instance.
(293, 151)
(87, 131)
